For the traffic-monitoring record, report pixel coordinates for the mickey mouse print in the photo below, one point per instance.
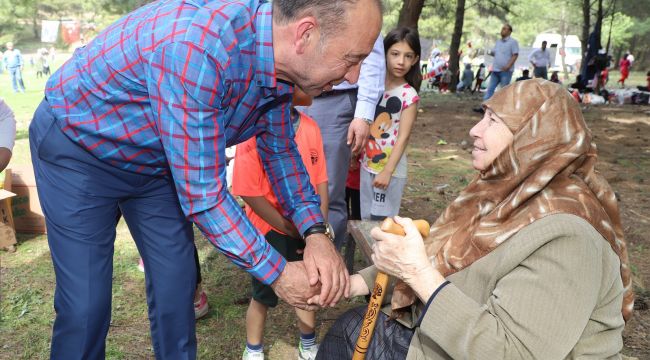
(384, 130)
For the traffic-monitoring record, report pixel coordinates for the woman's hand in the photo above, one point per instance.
(405, 258)
(382, 179)
(358, 287)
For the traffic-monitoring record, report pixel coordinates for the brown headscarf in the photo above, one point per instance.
(548, 169)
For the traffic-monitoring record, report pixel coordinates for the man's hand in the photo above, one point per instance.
(358, 134)
(324, 263)
(293, 287)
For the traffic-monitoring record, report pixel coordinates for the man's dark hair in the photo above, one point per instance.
(509, 26)
(544, 42)
(329, 13)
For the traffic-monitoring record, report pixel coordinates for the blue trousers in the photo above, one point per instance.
(80, 197)
(497, 78)
(17, 79)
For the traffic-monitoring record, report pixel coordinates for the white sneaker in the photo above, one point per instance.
(308, 354)
(252, 355)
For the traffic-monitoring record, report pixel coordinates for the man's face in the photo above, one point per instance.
(505, 31)
(338, 57)
(543, 45)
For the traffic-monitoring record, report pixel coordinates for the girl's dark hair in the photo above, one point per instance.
(413, 77)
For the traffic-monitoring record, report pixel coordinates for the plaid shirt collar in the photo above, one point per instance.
(265, 69)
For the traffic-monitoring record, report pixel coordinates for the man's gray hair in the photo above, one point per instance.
(329, 13)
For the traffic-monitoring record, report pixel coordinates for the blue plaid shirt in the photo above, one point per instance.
(166, 89)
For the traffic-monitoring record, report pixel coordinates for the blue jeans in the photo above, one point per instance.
(80, 196)
(17, 79)
(497, 78)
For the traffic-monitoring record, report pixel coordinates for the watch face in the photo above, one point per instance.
(330, 231)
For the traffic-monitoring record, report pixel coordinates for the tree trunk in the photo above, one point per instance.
(633, 42)
(586, 25)
(563, 35)
(410, 12)
(35, 21)
(618, 55)
(599, 21)
(611, 25)
(455, 44)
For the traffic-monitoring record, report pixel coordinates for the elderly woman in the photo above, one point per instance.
(528, 262)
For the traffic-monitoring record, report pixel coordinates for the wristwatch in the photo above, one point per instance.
(320, 228)
(368, 121)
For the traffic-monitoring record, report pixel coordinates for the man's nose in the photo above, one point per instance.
(352, 76)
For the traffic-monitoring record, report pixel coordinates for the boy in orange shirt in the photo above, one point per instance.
(262, 208)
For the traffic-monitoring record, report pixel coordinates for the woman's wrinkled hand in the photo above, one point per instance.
(405, 257)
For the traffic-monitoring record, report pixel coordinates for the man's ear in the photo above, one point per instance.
(306, 33)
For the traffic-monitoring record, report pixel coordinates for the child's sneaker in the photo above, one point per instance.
(307, 354)
(252, 355)
(201, 306)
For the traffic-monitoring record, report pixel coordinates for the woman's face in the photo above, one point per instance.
(491, 137)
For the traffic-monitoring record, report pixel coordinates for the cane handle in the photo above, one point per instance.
(378, 292)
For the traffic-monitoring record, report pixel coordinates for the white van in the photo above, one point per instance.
(573, 50)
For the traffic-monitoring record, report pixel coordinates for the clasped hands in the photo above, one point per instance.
(322, 275)
(403, 257)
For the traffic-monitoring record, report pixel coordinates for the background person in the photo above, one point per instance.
(7, 134)
(555, 78)
(525, 75)
(505, 52)
(467, 79)
(384, 163)
(541, 60)
(528, 262)
(480, 77)
(14, 63)
(624, 67)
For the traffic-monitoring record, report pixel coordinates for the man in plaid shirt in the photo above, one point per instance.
(139, 119)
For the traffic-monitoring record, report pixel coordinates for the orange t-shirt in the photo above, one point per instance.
(249, 178)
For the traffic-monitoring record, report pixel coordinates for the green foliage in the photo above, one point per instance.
(621, 30)
(483, 21)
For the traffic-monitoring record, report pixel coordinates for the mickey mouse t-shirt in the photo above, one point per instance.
(384, 130)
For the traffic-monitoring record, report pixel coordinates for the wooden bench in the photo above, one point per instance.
(359, 231)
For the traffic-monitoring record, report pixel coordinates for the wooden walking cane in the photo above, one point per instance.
(378, 292)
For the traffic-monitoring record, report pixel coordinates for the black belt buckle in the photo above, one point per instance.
(336, 92)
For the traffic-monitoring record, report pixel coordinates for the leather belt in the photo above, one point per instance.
(337, 92)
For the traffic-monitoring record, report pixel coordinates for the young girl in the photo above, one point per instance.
(383, 173)
(624, 66)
